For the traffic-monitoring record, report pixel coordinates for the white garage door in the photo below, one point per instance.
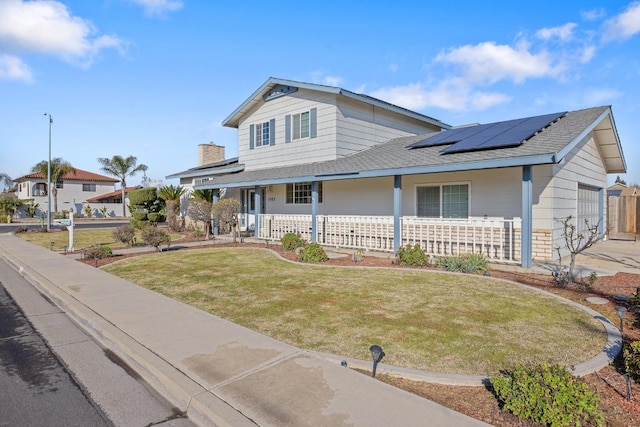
(588, 209)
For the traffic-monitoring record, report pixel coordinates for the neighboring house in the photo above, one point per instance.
(74, 189)
(349, 170)
(112, 201)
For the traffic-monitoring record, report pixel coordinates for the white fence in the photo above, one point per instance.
(496, 238)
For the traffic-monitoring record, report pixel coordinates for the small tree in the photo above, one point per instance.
(620, 180)
(155, 237)
(6, 179)
(9, 205)
(200, 210)
(125, 234)
(226, 211)
(576, 242)
(171, 195)
(31, 208)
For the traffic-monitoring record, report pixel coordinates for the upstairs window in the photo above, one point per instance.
(60, 184)
(262, 134)
(301, 125)
(88, 187)
(443, 201)
(300, 193)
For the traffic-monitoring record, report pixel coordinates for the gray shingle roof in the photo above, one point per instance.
(395, 158)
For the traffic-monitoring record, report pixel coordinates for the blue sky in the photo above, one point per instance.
(155, 78)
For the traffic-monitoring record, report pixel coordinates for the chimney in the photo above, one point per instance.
(210, 153)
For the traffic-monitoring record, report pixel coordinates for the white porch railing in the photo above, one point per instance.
(496, 238)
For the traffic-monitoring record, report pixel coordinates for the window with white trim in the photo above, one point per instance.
(88, 187)
(443, 201)
(300, 125)
(262, 134)
(300, 193)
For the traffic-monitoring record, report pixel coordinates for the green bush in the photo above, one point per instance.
(549, 395)
(632, 359)
(471, 263)
(125, 234)
(292, 241)
(312, 252)
(98, 252)
(412, 255)
(156, 217)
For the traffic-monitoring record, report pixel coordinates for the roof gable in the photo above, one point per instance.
(275, 88)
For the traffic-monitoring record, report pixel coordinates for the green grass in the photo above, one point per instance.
(82, 238)
(424, 320)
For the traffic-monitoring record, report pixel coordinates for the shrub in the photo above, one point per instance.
(125, 234)
(21, 229)
(312, 252)
(632, 359)
(549, 395)
(88, 212)
(98, 252)
(471, 263)
(412, 255)
(154, 237)
(197, 233)
(292, 241)
(156, 217)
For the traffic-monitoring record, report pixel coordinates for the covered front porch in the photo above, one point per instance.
(497, 239)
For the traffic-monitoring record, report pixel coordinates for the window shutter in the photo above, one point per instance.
(287, 128)
(251, 137)
(272, 132)
(313, 123)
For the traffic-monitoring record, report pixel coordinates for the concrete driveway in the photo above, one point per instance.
(609, 257)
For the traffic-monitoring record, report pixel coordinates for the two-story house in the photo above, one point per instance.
(348, 170)
(73, 190)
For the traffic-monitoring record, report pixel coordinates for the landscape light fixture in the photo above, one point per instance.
(621, 310)
(376, 354)
(49, 177)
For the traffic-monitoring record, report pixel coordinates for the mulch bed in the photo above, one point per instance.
(479, 402)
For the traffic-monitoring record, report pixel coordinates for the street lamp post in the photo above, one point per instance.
(49, 177)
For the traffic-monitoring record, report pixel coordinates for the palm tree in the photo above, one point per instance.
(59, 168)
(171, 195)
(205, 195)
(121, 168)
(8, 182)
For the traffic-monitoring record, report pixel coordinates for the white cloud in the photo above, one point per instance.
(593, 14)
(625, 25)
(159, 7)
(489, 62)
(320, 77)
(563, 32)
(601, 96)
(12, 68)
(393, 67)
(48, 27)
(451, 94)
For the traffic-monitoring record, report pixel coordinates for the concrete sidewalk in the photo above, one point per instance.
(217, 372)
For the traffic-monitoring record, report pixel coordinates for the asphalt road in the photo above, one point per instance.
(35, 389)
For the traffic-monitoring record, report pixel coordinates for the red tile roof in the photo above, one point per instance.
(78, 175)
(110, 195)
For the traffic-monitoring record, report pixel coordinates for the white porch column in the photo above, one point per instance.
(397, 211)
(256, 212)
(527, 216)
(314, 212)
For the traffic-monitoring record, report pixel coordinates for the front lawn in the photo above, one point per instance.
(424, 320)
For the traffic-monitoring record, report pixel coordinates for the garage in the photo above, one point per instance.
(588, 206)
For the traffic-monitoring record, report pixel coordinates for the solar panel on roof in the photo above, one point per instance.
(503, 134)
(447, 137)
